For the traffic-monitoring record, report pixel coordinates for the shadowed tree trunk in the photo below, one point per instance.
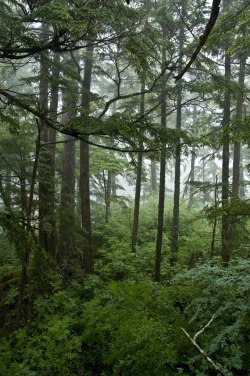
(175, 224)
(225, 233)
(161, 201)
(52, 153)
(193, 157)
(237, 145)
(44, 156)
(241, 184)
(138, 183)
(67, 212)
(88, 261)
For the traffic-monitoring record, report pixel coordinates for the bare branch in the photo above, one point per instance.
(203, 38)
(202, 352)
(205, 327)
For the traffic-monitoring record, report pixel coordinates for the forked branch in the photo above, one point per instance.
(202, 352)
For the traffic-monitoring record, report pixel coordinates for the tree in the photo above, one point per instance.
(138, 182)
(225, 234)
(88, 259)
(157, 273)
(70, 95)
(175, 224)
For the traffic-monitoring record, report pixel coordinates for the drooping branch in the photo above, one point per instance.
(82, 134)
(202, 352)
(203, 38)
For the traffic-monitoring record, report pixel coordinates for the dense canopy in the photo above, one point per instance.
(124, 187)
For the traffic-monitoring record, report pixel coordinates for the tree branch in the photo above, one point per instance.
(203, 38)
(202, 352)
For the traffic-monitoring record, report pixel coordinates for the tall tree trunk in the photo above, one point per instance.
(237, 146)
(175, 224)
(176, 208)
(138, 183)
(193, 157)
(25, 274)
(225, 233)
(237, 149)
(43, 158)
(52, 154)
(161, 202)
(88, 260)
(67, 211)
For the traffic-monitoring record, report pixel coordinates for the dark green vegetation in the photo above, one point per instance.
(92, 281)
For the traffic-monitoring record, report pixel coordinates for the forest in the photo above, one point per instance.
(124, 188)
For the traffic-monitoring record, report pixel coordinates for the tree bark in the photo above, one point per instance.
(237, 145)
(43, 158)
(88, 260)
(225, 233)
(153, 177)
(47, 224)
(203, 38)
(161, 202)
(52, 238)
(138, 183)
(202, 352)
(193, 157)
(67, 208)
(175, 225)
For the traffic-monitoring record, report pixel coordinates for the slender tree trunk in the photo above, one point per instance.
(43, 158)
(241, 183)
(193, 157)
(25, 274)
(88, 261)
(153, 177)
(52, 154)
(215, 220)
(203, 178)
(175, 225)
(113, 184)
(237, 149)
(237, 145)
(225, 233)
(67, 216)
(108, 196)
(176, 208)
(138, 183)
(5, 190)
(158, 257)
(109, 187)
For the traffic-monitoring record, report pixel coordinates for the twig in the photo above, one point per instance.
(202, 352)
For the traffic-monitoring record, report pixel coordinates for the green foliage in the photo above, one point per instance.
(8, 257)
(128, 327)
(226, 292)
(234, 22)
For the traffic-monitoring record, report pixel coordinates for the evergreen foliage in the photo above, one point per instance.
(99, 75)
